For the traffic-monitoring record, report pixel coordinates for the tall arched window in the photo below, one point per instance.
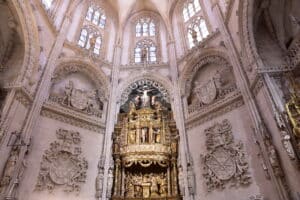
(145, 27)
(195, 25)
(190, 8)
(83, 38)
(91, 36)
(96, 16)
(197, 31)
(145, 51)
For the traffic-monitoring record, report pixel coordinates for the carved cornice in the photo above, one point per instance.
(257, 85)
(72, 117)
(141, 66)
(212, 111)
(24, 97)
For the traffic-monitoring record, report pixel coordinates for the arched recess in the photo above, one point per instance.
(160, 82)
(23, 41)
(75, 65)
(206, 79)
(79, 85)
(269, 32)
(19, 52)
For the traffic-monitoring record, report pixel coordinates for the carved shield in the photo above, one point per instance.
(207, 92)
(221, 163)
(79, 99)
(63, 169)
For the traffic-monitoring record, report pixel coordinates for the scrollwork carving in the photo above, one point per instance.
(225, 161)
(62, 165)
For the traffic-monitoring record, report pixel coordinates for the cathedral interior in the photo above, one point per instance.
(149, 100)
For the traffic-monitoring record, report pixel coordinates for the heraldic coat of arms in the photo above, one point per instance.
(225, 161)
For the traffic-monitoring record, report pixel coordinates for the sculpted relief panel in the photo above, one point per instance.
(78, 94)
(210, 83)
(224, 163)
(62, 164)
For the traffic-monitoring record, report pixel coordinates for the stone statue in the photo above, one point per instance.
(273, 158)
(68, 93)
(9, 169)
(144, 55)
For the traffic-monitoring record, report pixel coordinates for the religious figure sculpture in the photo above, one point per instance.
(9, 169)
(132, 136)
(68, 93)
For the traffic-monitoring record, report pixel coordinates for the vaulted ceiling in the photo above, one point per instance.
(125, 8)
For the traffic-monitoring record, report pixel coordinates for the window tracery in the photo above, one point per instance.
(91, 35)
(146, 42)
(145, 27)
(194, 22)
(96, 16)
(90, 38)
(145, 51)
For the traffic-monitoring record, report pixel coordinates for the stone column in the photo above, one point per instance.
(42, 91)
(111, 116)
(179, 116)
(260, 134)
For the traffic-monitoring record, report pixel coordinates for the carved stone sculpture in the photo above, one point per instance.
(225, 161)
(62, 165)
(9, 169)
(79, 100)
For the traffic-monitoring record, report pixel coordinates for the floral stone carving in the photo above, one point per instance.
(62, 165)
(225, 161)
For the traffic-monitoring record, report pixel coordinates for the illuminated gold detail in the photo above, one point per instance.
(145, 150)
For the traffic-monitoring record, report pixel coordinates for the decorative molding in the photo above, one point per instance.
(62, 164)
(161, 82)
(75, 118)
(73, 65)
(256, 197)
(141, 66)
(24, 97)
(225, 162)
(86, 101)
(212, 111)
(257, 84)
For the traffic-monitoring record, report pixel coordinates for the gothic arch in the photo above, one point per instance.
(209, 56)
(70, 65)
(148, 76)
(30, 38)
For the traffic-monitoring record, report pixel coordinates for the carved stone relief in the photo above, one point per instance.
(63, 165)
(79, 100)
(225, 161)
(13, 172)
(209, 85)
(256, 197)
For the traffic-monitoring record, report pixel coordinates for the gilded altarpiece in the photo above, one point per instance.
(145, 151)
